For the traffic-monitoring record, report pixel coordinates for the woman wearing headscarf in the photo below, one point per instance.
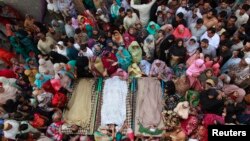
(114, 9)
(182, 32)
(145, 67)
(160, 70)
(194, 71)
(97, 49)
(182, 85)
(164, 47)
(134, 71)
(86, 23)
(45, 67)
(210, 103)
(117, 38)
(207, 74)
(192, 45)
(82, 65)
(129, 36)
(233, 93)
(41, 79)
(152, 28)
(124, 58)
(135, 51)
(97, 67)
(149, 47)
(197, 55)
(170, 96)
(109, 62)
(168, 28)
(177, 53)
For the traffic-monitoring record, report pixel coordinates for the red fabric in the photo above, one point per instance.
(211, 119)
(189, 125)
(59, 100)
(108, 64)
(38, 121)
(7, 73)
(48, 87)
(6, 56)
(128, 39)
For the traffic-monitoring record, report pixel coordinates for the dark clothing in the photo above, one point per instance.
(212, 106)
(164, 46)
(175, 23)
(82, 63)
(72, 53)
(58, 58)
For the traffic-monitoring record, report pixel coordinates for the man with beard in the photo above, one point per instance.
(53, 34)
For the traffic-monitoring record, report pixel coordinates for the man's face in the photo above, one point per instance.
(247, 46)
(203, 45)
(242, 11)
(129, 14)
(231, 21)
(184, 3)
(198, 26)
(210, 34)
(51, 30)
(209, 14)
(223, 5)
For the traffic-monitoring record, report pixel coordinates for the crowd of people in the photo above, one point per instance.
(200, 50)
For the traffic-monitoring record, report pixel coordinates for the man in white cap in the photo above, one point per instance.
(10, 129)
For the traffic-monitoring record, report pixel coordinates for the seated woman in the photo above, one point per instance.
(97, 67)
(207, 74)
(109, 61)
(41, 79)
(124, 58)
(149, 48)
(135, 51)
(210, 102)
(194, 71)
(170, 96)
(82, 65)
(192, 45)
(161, 71)
(145, 67)
(134, 71)
(152, 28)
(117, 38)
(182, 32)
(177, 53)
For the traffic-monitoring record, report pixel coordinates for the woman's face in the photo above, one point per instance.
(191, 42)
(131, 31)
(180, 43)
(181, 30)
(209, 73)
(152, 26)
(98, 48)
(158, 64)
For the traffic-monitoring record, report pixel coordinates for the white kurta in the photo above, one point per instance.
(144, 11)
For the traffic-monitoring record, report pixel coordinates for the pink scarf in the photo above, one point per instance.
(196, 68)
(185, 34)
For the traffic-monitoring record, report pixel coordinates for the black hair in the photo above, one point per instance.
(213, 30)
(245, 7)
(159, 12)
(170, 88)
(200, 21)
(71, 40)
(193, 40)
(241, 36)
(130, 10)
(241, 54)
(83, 46)
(223, 14)
(233, 17)
(67, 19)
(214, 12)
(205, 41)
(180, 15)
(122, 9)
(78, 30)
(23, 127)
